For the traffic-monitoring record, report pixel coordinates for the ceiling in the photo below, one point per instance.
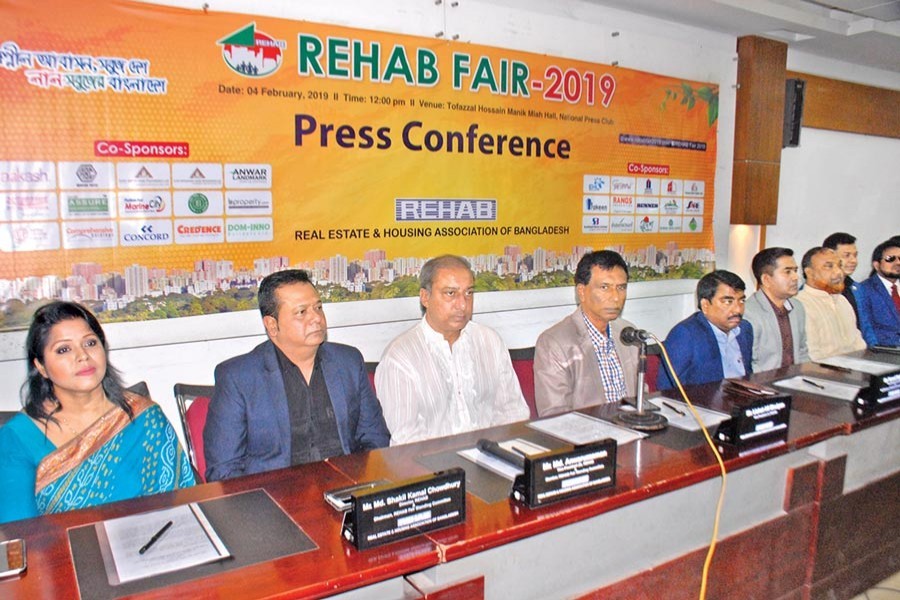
(862, 32)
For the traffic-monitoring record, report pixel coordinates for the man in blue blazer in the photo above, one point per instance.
(293, 399)
(715, 342)
(879, 297)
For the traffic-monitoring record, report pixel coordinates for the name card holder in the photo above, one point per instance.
(756, 421)
(882, 391)
(561, 474)
(387, 513)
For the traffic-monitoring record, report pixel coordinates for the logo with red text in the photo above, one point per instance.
(252, 53)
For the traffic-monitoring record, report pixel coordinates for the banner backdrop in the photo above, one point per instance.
(157, 162)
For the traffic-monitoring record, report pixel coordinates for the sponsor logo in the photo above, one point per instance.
(693, 207)
(410, 209)
(693, 225)
(29, 237)
(621, 225)
(86, 173)
(149, 233)
(644, 206)
(146, 176)
(97, 234)
(87, 204)
(249, 230)
(622, 185)
(670, 224)
(248, 203)
(27, 206)
(198, 203)
(27, 175)
(199, 231)
(596, 204)
(154, 204)
(197, 175)
(647, 225)
(596, 184)
(252, 53)
(694, 188)
(251, 176)
(595, 224)
(622, 204)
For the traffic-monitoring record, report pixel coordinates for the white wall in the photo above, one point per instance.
(187, 349)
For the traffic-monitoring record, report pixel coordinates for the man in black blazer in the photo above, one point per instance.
(293, 399)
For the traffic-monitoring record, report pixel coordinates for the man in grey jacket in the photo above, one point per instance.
(779, 325)
(581, 361)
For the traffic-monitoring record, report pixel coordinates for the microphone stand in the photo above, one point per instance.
(639, 419)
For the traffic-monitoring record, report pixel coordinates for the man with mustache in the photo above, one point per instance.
(879, 312)
(581, 361)
(830, 322)
(293, 399)
(845, 246)
(448, 374)
(779, 325)
(714, 343)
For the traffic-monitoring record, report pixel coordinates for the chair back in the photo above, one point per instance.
(523, 365)
(6, 415)
(193, 405)
(370, 371)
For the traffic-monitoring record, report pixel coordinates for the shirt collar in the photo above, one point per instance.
(605, 333)
(435, 337)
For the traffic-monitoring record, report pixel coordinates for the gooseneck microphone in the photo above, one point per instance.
(634, 336)
(640, 419)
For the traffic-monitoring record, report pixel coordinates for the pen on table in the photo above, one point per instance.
(670, 407)
(812, 383)
(155, 538)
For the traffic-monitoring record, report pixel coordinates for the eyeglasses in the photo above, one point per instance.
(890, 259)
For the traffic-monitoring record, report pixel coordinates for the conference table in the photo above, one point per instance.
(815, 514)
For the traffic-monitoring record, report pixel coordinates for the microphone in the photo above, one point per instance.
(631, 335)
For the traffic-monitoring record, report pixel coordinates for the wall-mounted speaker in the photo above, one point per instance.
(794, 90)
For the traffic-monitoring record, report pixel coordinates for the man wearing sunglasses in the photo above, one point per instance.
(879, 310)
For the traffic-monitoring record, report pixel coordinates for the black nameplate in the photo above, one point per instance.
(393, 512)
(756, 421)
(883, 390)
(561, 474)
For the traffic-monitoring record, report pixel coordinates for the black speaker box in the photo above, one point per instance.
(794, 90)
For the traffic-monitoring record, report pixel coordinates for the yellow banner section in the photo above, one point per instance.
(158, 162)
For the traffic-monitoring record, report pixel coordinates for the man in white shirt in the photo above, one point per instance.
(447, 375)
(830, 322)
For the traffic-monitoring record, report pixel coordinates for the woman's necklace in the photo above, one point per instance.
(66, 424)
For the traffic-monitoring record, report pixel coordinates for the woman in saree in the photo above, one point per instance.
(82, 440)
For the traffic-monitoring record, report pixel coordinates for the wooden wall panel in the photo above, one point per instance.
(758, 130)
(851, 107)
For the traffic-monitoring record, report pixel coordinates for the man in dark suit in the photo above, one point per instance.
(293, 399)
(879, 297)
(715, 342)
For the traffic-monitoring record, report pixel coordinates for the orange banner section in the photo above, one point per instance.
(157, 162)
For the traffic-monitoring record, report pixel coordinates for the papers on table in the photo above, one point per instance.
(189, 541)
(579, 428)
(499, 466)
(853, 363)
(822, 387)
(681, 417)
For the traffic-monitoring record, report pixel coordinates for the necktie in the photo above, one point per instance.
(895, 297)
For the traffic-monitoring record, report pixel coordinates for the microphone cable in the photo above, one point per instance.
(712, 545)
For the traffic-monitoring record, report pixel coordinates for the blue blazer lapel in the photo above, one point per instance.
(273, 382)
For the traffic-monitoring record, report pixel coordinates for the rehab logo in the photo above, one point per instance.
(252, 53)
